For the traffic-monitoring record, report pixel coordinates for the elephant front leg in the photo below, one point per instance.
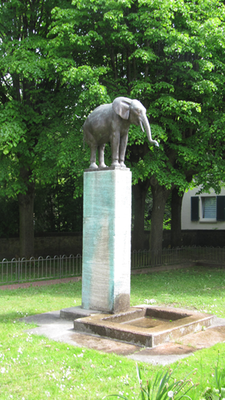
(93, 164)
(115, 143)
(101, 150)
(123, 147)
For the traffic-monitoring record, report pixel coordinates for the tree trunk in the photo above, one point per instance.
(139, 195)
(176, 218)
(160, 195)
(26, 209)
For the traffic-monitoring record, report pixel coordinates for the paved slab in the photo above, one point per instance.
(59, 329)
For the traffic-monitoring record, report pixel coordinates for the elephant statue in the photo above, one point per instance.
(110, 123)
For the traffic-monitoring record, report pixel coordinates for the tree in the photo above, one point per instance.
(39, 105)
(206, 88)
(169, 56)
(184, 83)
(60, 60)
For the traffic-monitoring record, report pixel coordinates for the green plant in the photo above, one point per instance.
(162, 387)
(217, 392)
(213, 394)
(220, 378)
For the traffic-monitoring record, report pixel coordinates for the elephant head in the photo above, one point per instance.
(135, 113)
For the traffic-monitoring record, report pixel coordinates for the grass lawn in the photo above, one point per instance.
(33, 367)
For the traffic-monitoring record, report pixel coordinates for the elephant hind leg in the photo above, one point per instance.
(90, 140)
(93, 164)
(101, 150)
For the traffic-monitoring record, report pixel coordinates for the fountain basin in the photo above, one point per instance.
(147, 326)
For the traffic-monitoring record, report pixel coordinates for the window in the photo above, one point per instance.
(208, 205)
(208, 209)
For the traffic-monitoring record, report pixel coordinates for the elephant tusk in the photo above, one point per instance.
(142, 128)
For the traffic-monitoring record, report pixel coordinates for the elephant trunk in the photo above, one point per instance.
(145, 122)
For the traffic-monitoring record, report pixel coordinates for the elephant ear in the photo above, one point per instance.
(121, 106)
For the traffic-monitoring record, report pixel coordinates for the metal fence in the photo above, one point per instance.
(196, 255)
(23, 270)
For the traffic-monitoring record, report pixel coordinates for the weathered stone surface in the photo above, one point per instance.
(72, 313)
(106, 240)
(147, 326)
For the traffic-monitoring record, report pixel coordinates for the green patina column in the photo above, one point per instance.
(106, 240)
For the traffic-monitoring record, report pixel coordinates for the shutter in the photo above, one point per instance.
(195, 208)
(220, 208)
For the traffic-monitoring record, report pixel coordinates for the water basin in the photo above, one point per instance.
(147, 326)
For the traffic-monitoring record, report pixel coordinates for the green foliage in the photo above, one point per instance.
(165, 56)
(59, 208)
(40, 89)
(217, 391)
(83, 54)
(162, 387)
(61, 59)
(148, 212)
(213, 394)
(9, 223)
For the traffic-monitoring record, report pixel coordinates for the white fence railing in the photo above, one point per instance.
(23, 270)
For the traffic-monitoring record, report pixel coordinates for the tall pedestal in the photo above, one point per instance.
(106, 240)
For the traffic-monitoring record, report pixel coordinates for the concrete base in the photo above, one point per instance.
(106, 240)
(72, 313)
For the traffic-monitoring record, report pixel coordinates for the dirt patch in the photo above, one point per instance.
(40, 283)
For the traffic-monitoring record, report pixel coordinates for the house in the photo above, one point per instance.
(205, 211)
